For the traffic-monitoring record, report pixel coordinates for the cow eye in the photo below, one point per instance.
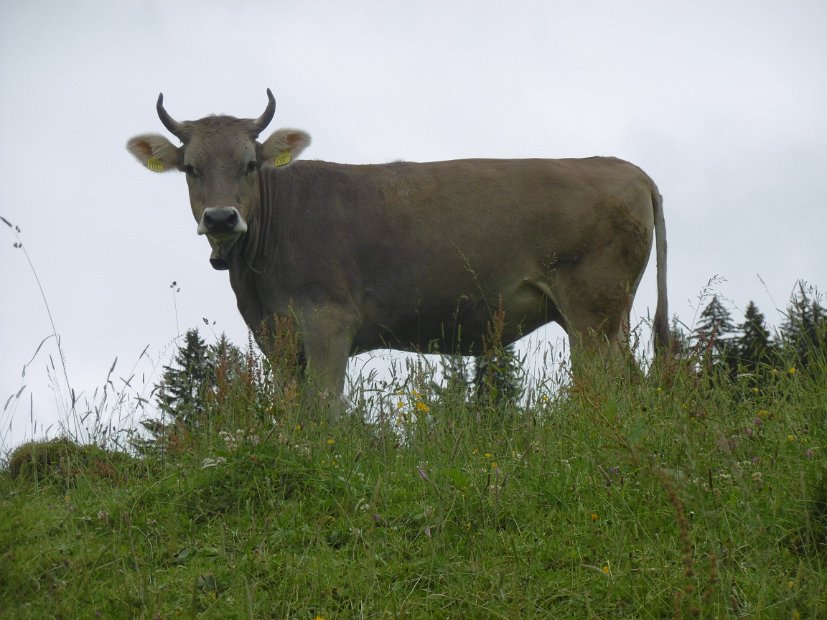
(252, 166)
(189, 170)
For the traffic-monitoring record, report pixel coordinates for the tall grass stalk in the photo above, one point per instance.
(105, 417)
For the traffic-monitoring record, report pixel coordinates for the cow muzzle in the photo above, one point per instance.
(221, 223)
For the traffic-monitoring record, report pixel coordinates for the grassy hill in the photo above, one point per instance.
(696, 497)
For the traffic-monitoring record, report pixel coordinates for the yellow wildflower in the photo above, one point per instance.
(594, 517)
(330, 441)
(792, 370)
(422, 407)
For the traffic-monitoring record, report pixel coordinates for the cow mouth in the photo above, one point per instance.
(217, 256)
(219, 264)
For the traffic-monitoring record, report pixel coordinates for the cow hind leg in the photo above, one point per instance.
(597, 326)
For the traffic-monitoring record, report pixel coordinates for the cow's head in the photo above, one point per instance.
(222, 159)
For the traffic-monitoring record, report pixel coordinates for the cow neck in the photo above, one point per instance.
(256, 242)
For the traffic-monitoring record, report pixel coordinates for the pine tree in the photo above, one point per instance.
(181, 394)
(185, 383)
(804, 331)
(497, 379)
(226, 361)
(713, 336)
(455, 373)
(753, 347)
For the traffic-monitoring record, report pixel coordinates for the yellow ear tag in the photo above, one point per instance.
(154, 164)
(283, 158)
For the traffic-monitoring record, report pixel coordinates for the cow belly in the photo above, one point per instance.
(458, 325)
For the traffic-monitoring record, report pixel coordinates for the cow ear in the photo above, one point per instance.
(155, 152)
(283, 147)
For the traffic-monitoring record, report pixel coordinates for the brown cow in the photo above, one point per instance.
(412, 256)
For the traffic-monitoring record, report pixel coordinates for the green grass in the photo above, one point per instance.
(700, 498)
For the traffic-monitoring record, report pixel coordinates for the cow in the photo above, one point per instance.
(414, 256)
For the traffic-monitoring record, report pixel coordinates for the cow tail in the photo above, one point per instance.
(661, 324)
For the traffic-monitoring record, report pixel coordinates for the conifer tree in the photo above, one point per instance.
(804, 331)
(498, 376)
(455, 372)
(226, 360)
(186, 385)
(712, 337)
(753, 346)
(186, 381)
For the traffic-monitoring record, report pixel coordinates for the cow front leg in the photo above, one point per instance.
(327, 342)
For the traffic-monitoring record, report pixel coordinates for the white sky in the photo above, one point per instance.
(722, 103)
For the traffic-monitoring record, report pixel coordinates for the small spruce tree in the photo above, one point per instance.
(753, 347)
(497, 380)
(185, 382)
(712, 338)
(185, 388)
(804, 330)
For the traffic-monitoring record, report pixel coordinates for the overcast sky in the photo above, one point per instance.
(722, 103)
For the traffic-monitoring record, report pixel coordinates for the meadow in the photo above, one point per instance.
(681, 494)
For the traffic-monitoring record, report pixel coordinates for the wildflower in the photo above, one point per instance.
(330, 441)
(762, 413)
(420, 406)
(757, 476)
(400, 403)
(605, 569)
(755, 390)
(488, 455)
(494, 465)
(594, 517)
(792, 370)
(790, 437)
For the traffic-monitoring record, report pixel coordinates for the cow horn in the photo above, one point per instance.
(170, 123)
(262, 121)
